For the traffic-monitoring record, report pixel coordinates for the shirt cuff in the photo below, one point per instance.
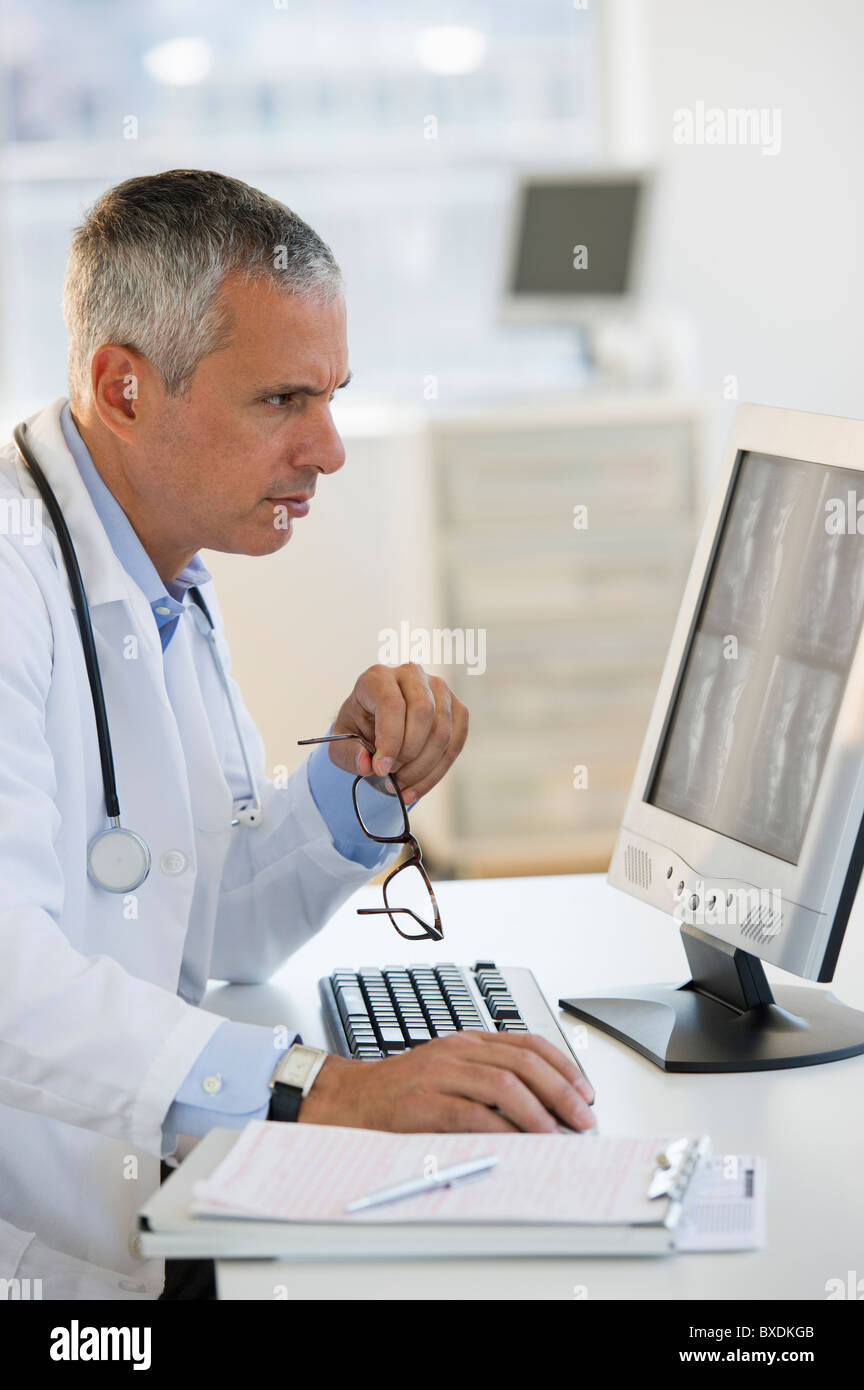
(331, 792)
(229, 1084)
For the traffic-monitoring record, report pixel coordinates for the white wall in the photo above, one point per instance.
(765, 251)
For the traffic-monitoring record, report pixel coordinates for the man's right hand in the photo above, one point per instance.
(467, 1082)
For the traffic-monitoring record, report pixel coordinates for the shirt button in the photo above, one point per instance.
(173, 861)
(163, 611)
(212, 1084)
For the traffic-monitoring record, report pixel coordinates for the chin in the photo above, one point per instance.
(275, 537)
(259, 542)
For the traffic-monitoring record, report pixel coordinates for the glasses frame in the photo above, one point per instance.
(415, 858)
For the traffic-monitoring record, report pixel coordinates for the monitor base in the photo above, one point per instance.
(680, 1028)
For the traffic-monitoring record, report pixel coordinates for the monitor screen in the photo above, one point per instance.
(768, 659)
(558, 217)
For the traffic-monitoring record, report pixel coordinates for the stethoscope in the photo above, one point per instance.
(118, 860)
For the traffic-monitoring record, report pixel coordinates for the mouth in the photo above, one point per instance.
(297, 505)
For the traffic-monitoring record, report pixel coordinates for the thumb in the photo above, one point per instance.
(347, 752)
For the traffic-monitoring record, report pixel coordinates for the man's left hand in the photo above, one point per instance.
(416, 723)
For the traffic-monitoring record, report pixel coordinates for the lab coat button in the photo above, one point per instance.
(135, 1246)
(212, 1084)
(173, 861)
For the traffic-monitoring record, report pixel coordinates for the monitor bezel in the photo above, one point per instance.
(817, 893)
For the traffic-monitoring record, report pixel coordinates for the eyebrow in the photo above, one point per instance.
(295, 389)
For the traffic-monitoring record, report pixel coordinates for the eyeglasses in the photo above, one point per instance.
(413, 888)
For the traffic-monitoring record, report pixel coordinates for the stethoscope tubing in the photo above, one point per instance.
(106, 753)
(136, 847)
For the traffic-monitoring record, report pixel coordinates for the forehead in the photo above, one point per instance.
(274, 328)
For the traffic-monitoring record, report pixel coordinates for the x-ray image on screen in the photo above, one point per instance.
(767, 666)
(754, 544)
(788, 753)
(696, 764)
(830, 595)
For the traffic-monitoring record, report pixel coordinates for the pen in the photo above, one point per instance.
(415, 1186)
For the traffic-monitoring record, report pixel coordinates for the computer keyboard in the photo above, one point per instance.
(373, 1012)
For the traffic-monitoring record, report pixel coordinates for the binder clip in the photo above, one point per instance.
(674, 1168)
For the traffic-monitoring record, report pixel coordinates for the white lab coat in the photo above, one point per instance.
(94, 1038)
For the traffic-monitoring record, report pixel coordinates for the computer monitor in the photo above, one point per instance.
(575, 250)
(745, 821)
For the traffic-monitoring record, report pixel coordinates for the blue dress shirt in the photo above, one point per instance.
(229, 1083)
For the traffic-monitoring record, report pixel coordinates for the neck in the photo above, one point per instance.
(168, 557)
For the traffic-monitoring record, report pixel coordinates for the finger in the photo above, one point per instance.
(558, 1096)
(380, 697)
(533, 1044)
(461, 1116)
(420, 711)
(416, 787)
(495, 1086)
(438, 738)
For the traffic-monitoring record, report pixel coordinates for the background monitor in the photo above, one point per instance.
(746, 816)
(549, 276)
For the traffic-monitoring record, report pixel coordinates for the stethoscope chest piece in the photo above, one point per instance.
(118, 860)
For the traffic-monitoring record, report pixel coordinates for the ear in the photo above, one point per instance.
(126, 388)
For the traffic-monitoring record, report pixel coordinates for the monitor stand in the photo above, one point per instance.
(726, 1018)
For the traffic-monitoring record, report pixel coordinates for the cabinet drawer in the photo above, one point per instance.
(508, 801)
(534, 474)
(558, 707)
(562, 586)
(570, 654)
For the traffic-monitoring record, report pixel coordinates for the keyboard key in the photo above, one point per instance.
(351, 1003)
(417, 1034)
(503, 1008)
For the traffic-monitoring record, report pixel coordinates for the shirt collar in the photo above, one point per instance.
(167, 602)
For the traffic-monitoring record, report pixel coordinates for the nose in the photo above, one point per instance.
(324, 448)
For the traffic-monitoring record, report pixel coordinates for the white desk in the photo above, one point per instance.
(579, 936)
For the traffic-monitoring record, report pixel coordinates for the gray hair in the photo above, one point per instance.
(146, 266)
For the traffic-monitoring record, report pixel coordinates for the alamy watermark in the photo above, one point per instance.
(735, 907)
(21, 516)
(845, 516)
(711, 125)
(437, 646)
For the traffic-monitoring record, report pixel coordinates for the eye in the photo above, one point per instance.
(279, 400)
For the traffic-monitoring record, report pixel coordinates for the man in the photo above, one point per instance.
(206, 327)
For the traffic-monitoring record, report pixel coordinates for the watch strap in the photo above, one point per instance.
(284, 1103)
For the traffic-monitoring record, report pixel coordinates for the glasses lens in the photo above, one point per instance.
(379, 809)
(407, 896)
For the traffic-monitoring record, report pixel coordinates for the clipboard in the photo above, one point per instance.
(169, 1227)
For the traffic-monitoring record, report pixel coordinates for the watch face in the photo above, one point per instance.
(296, 1065)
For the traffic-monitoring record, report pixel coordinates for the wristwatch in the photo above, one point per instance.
(292, 1080)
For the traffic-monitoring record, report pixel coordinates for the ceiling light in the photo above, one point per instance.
(450, 50)
(179, 62)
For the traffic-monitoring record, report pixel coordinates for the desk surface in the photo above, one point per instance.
(580, 936)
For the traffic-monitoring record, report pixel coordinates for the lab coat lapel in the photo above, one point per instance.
(150, 763)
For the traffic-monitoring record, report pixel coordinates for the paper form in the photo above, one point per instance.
(725, 1207)
(311, 1172)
